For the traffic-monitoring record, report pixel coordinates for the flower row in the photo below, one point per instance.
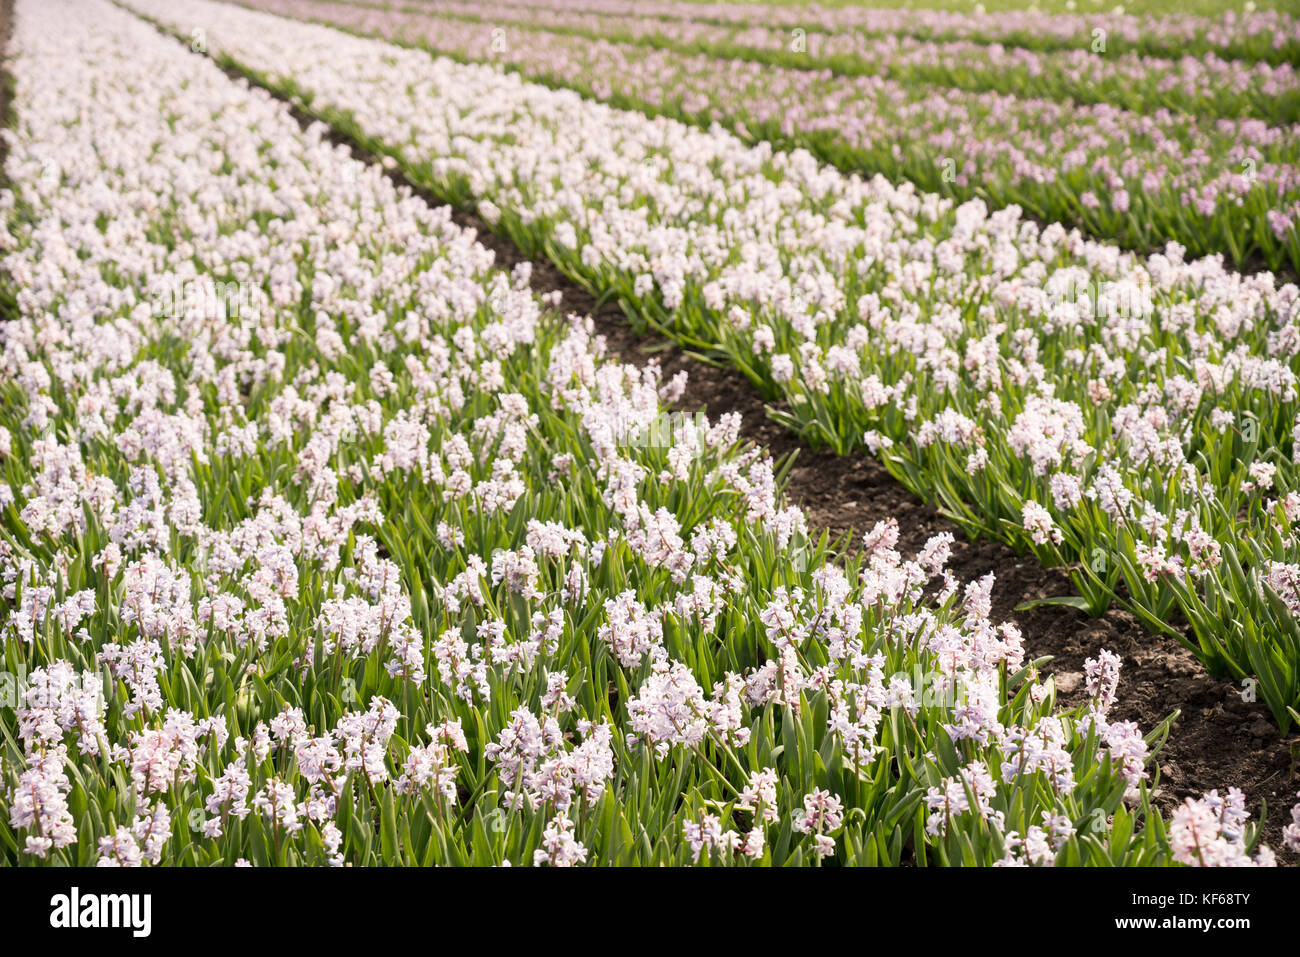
(1269, 35)
(355, 555)
(1094, 71)
(1132, 418)
(1230, 186)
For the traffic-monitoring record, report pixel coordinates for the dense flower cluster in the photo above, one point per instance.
(365, 571)
(1255, 33)
(1083, 72)
(1081, 137)
(1133, 416)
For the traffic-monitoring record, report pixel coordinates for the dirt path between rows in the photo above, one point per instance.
(1219, 740)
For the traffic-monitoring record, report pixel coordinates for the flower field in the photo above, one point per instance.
(329, 538)
(1223, 178)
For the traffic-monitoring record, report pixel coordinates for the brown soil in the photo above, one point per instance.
(1219, 740)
